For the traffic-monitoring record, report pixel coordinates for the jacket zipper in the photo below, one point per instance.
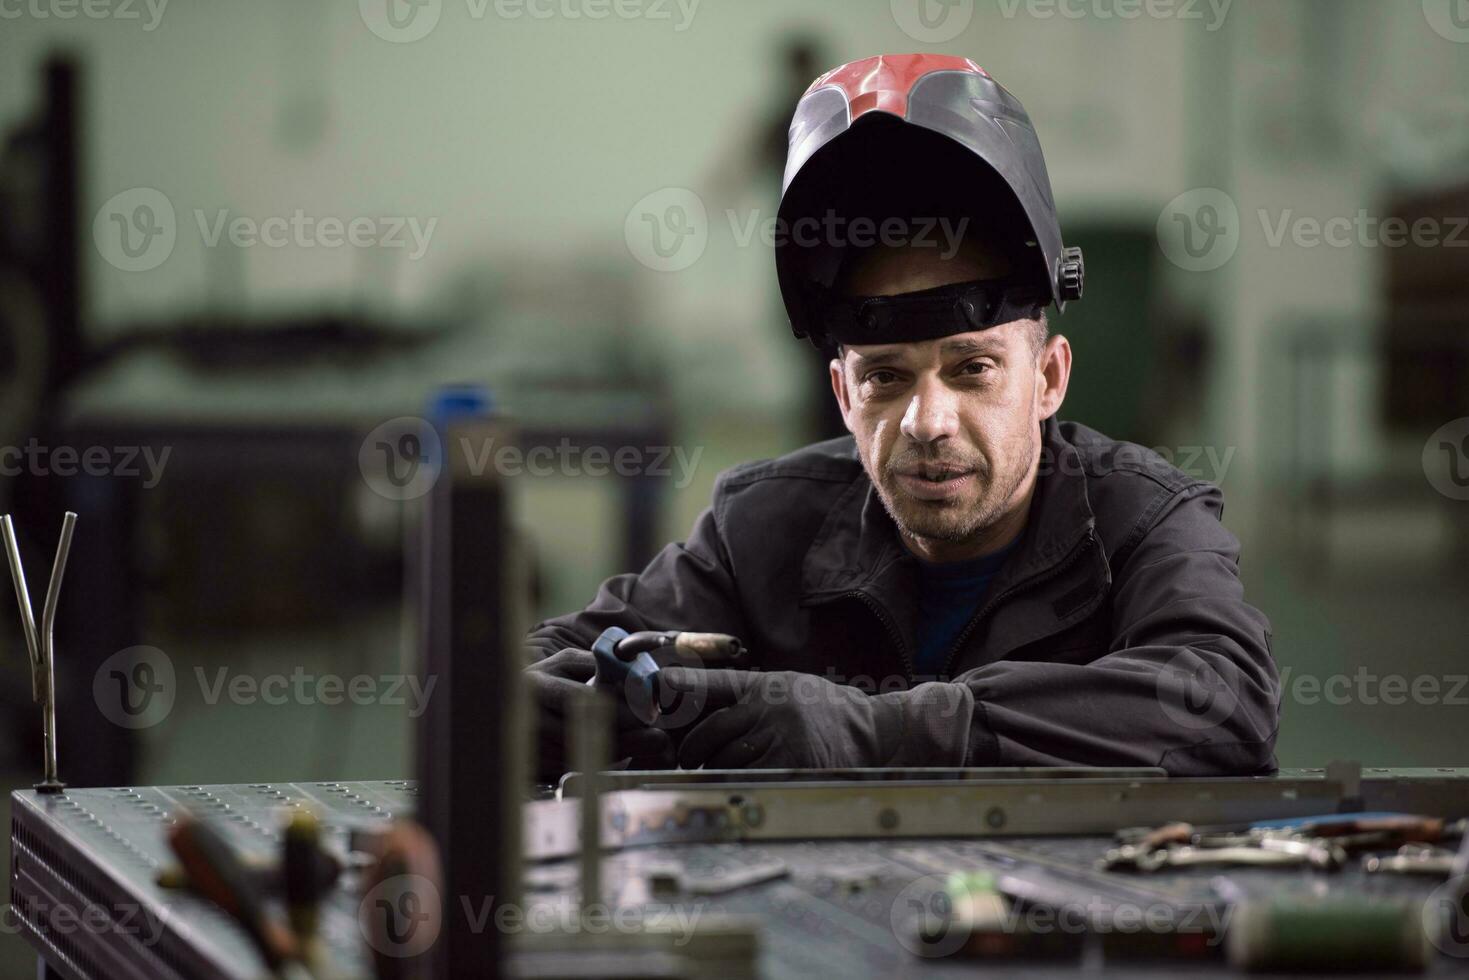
(1021, 586)
(893, 634)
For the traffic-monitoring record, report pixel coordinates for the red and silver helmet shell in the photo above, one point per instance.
(943, 94)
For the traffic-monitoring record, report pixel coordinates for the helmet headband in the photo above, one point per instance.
(926, 314)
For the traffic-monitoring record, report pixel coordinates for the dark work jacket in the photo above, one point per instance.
(1116, 634)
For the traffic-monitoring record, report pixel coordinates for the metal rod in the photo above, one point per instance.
(48, 644)
(591, 733)
(23, 597)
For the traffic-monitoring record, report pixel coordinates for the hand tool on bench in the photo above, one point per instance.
(630, 662)
(1315, 852)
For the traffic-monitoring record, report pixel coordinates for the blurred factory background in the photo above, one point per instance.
(239, 240)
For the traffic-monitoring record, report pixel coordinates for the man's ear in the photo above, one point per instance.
(838, 372)
(1055, 374)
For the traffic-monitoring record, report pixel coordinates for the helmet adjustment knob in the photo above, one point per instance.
(1071, 273)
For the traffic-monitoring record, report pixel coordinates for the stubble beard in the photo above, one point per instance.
(953, 523)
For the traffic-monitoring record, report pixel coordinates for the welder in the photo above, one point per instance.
(963, 580)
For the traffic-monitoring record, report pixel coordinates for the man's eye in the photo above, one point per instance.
(881, 377)
(974, 367)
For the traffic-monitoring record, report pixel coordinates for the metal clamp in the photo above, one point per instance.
(41, 645)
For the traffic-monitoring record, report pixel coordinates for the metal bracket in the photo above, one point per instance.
(1349, 774)
(41, 644)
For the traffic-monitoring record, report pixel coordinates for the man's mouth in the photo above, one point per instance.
(934, 482)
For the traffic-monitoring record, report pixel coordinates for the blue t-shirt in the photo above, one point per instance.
(949, 594)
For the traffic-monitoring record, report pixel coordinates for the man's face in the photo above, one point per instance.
(949, 429)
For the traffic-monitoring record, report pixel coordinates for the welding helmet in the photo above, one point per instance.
(937, 144)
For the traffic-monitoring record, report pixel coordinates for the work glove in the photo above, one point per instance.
(792, 720)
(553, 682)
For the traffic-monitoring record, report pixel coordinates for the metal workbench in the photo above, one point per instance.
(857, 857)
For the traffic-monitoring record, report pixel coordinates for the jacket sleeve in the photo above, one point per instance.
(1188, 683)
(685, 586)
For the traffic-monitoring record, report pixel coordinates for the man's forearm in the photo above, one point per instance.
(1191, 711)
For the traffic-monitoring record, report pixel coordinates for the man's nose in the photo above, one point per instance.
(933, 413)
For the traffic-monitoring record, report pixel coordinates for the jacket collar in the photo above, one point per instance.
(858, 547)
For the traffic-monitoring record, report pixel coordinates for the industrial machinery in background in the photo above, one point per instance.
(260, 421)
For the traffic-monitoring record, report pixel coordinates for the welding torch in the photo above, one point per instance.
(632, 661)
